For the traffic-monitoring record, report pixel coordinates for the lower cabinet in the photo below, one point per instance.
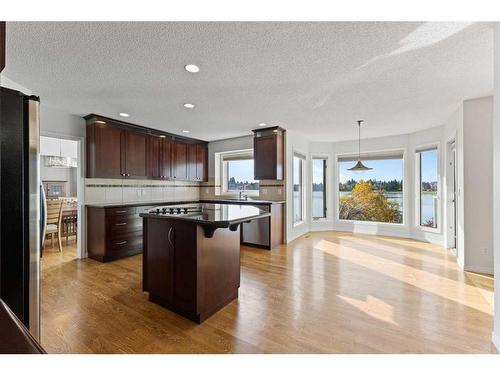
(114, 233)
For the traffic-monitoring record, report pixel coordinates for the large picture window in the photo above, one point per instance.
(374, 195)
(298, 188)
(318, 188)
(427, 169)
(237, 172)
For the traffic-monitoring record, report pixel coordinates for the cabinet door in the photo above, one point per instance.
(105, 151)
(155, 157)
(192, 162)
(159, 259)
(166, 157)
(180, 161)
(135, 155)
(201, 163)
(265, 157)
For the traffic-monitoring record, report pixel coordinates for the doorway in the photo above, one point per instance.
(451, 194)
(60, 176)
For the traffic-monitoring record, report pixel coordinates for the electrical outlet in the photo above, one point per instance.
(264, 191)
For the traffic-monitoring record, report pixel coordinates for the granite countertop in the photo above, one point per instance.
(154, 204)
(214, 214)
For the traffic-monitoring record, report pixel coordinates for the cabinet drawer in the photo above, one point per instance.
(121, 211)
(126, 244)
(124, 226)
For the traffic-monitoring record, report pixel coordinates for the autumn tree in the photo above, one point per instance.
(366, 204)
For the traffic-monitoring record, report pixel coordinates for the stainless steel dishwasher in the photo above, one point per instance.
(257, 232)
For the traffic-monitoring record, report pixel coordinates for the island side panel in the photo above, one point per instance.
(218, 270)
(158, 261)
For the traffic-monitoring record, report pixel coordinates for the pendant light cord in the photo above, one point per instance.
(359, 139)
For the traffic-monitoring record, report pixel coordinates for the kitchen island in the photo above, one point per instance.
(191, 260)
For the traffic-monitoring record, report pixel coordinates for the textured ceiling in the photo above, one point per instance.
(316, 78)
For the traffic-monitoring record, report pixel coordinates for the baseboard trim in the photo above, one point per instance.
(496, 340)
(485, 270)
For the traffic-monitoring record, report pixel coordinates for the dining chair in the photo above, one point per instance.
(53, 226)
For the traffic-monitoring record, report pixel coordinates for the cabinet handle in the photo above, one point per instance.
(119, 224)
(169, 237)
(121, 243)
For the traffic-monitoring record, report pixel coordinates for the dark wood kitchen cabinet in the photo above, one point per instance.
(134, 155)
(160, 157)
(201, 163)
(192, 162)
(114, 232)
(104, 151)
(268, 153)
(180, 160)
(120, 150)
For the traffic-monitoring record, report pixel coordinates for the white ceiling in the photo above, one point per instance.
(316, 78)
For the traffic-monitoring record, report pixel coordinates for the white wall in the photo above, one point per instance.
(478, 185)
(496, 184)
(295, 142)
(232, 144)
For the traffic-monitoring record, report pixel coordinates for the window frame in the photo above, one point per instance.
(301, 156)
(326, 187)
(404, 222)
(223, 172)
(418, 185)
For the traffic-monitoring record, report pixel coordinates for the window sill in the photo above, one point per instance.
(298, 223)
(429, 230)
(373, 223)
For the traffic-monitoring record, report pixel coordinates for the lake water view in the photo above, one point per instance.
(427, 203)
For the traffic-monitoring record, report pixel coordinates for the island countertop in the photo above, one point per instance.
(209, 214)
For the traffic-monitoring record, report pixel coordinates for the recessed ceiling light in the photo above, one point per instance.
(189, 105)
(262, 124)
(191, 68)
(185, 131)
(123, 114)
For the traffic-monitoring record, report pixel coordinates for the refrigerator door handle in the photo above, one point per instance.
(43, 217)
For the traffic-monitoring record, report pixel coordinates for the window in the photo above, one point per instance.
(375, 195)
(298, 188)
(427, 169)
(236, 172)
(318, 188)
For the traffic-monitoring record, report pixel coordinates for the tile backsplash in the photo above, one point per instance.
(115, 191)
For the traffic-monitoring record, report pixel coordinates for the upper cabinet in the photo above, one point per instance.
(134, 155)
(104, 151)
(160, 157)
(180, 160)
(201, 162)
(121, 150)
(268, 153)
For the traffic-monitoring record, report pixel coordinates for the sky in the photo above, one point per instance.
(385, 170)
(241, 170)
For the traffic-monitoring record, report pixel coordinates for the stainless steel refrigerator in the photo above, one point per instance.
(21, 214)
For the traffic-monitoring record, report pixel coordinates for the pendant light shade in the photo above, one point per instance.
(359, 167)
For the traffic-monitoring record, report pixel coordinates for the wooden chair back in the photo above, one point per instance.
(54, 211)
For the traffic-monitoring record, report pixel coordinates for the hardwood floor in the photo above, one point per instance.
(327, 292)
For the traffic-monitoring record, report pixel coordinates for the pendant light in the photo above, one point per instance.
(359, 167)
